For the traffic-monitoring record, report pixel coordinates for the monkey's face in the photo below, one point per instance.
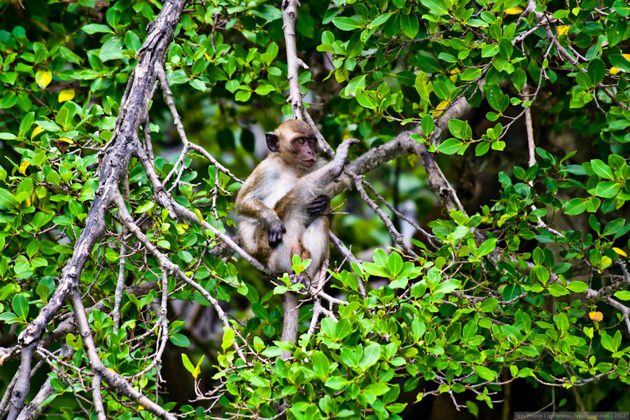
(305, 151)
(296, 143)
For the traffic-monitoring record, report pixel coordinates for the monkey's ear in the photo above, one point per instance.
(272, 141)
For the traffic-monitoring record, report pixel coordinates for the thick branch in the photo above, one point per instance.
(115, 163)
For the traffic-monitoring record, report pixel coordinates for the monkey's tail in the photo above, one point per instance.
(291, 318)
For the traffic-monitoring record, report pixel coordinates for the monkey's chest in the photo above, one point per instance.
(280, 187)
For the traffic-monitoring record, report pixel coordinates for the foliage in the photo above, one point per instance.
(532, 287)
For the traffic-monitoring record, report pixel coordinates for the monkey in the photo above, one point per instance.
(306, 234)
(293, 153)
(281, 205)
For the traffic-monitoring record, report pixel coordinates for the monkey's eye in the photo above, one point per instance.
(301, 140)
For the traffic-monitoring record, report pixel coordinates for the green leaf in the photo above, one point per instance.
(347, 23)
(94, 28)
(450, 146)
(394, 263)
(436, 7)
(228, 339)
(380, 19)
(180, 340)
(620, 62)
(418, 328)
(470, 329)
(562, 322)
(601, 169)
(487, 247)
(622, 294)
(622, 8)
(337, 383)
(187, 363)
(470, 74)
(556, 289)
(111, 50)
(482, 148)
(608, 343)
(496, 98)
(148, 205)
(20, 305)
(423, 85)
(460, 129)
(427, 125)
(489, 50)
(371, 354)
(410, 25)
(519, 78)
(596, 70)
(489, 304)
(264, 89)
(272, 352)
(321, 365)
(448, 286)
(576, 206)
(607, 189)
(242, 95)
(377, 389)
(577, 286)
(485, 373)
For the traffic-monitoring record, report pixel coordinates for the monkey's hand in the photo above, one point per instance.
(318, 206)
(276, 230)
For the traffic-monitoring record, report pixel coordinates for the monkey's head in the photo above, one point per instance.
(296, 143)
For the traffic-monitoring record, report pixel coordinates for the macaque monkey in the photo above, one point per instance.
(306, 235)
(293, 153)
(281, 208)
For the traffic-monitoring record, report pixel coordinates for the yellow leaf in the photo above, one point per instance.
(563, 29)
(207, 56)
(65, 140)
(620, 251)
(514, 10)
(182, 228)
(23, 166)
(626, 56)
(596, 316)
(66, 95)
(43, 78)
(454, 74)
(196, 372)
(36, 131)
(613, 70)
(441, 107)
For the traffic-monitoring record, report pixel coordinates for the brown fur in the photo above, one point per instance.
(273, 205)
(293, 153)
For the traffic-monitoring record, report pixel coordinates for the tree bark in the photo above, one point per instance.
(133, 112)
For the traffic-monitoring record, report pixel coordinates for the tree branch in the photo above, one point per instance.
(112, 167)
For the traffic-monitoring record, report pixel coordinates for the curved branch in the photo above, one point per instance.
(113, 379)
(114, 164)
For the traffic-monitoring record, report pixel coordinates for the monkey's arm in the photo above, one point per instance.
(316, 183)
(250, 204)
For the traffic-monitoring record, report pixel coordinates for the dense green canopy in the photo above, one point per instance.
(480, 251)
